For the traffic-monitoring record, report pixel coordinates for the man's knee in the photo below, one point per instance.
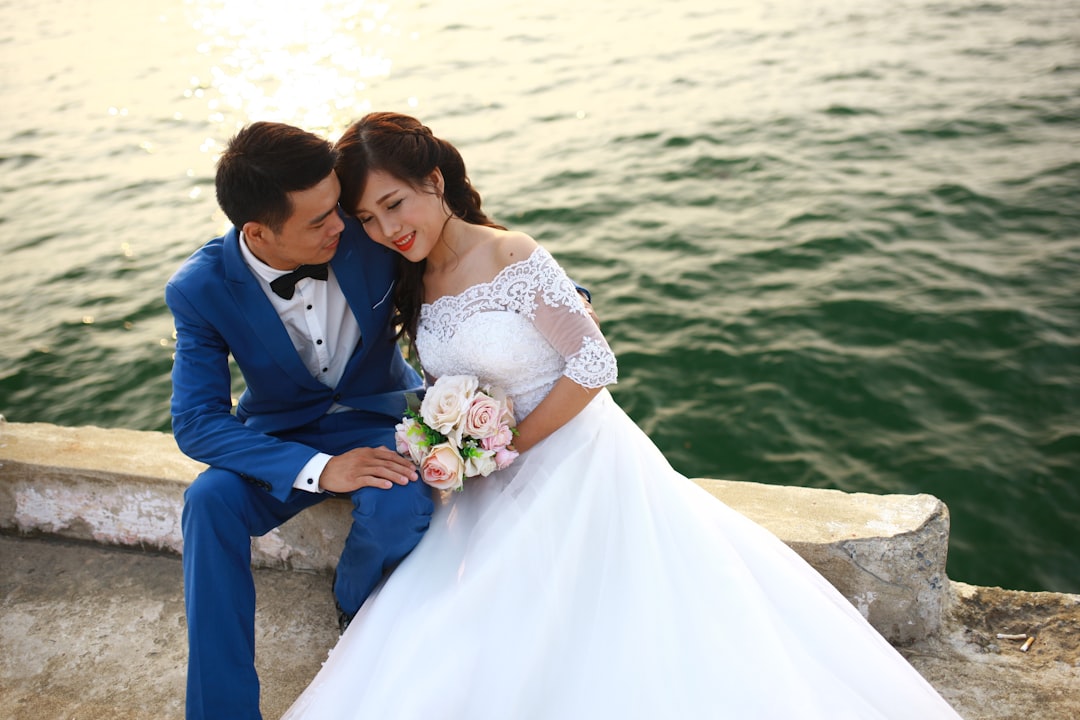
(403, 511)
(212, 491)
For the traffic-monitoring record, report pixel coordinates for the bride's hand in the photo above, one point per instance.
(366, 467)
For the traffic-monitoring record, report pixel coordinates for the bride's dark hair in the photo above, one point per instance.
(403, 147)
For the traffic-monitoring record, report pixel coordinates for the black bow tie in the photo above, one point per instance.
(285, 285)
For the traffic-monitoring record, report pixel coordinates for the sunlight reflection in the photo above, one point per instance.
(309, 64)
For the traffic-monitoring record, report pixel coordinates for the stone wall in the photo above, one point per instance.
(885, 553)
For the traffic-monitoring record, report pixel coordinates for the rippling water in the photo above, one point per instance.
(834, 243)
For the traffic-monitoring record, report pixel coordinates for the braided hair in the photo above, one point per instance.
(403, 147)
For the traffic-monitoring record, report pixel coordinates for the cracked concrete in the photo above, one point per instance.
(91, 606)
(94, 632)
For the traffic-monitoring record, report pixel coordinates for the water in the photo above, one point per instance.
(834, 243)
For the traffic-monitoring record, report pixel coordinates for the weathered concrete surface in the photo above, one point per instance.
(886, 554)
(89, 630)
(92, 632)
(126, 487)
(988, 678)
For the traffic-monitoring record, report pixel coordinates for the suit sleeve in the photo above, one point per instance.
(204, 425)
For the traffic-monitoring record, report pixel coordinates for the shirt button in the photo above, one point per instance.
(318, 342)
(310, 481)
(308, 307)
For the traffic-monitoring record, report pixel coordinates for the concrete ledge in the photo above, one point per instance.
(126, 487)
(886, 554)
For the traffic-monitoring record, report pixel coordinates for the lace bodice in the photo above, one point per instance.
(520, 331)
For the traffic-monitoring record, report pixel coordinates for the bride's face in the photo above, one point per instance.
(401, 216)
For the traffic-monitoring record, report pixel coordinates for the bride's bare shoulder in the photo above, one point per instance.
(497, 249)
(511, 247)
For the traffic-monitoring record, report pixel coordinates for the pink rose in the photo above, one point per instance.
(411, 439)
(502, 437)
(442, 468)
(399, 439)
(506, 406)
(482, 417)
(504, 456)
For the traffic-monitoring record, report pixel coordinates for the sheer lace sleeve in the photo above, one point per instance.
(562, 319)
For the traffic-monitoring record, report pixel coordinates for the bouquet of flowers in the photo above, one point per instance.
(460, 430)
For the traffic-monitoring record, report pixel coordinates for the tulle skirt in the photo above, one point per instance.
(590, 580)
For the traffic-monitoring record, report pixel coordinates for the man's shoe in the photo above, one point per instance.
(343, 618)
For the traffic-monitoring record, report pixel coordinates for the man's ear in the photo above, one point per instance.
(256, 233)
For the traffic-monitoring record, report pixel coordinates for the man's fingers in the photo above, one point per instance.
(377, 467)
(398, 464)
(394, 469)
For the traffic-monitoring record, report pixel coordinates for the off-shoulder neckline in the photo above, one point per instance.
(486, 283)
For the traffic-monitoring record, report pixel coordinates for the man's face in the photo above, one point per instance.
(310, 236)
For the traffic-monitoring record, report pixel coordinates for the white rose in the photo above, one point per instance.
(445, 405)
(483, 463)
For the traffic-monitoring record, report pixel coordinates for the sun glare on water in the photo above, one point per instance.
(309, 64)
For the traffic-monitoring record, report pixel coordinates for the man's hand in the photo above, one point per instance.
(366, 467)
(587, 302)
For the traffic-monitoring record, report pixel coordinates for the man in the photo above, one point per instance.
(325, 386)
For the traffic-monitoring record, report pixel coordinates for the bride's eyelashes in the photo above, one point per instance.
(392, 206)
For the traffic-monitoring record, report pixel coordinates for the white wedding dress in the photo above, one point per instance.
(589, 580)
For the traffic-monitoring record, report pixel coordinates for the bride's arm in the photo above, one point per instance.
(565, 400)
(563, 320)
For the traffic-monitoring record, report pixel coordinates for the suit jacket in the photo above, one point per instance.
(219, 308)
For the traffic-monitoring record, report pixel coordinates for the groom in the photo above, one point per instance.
(300, 298)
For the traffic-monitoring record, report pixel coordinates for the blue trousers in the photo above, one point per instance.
(222, 511)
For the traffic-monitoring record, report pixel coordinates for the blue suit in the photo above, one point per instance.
(220, 309)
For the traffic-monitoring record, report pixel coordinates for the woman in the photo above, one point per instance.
(588, 579)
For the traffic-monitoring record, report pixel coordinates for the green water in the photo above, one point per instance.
(834, 244)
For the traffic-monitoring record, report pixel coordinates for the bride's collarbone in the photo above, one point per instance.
(460, 277)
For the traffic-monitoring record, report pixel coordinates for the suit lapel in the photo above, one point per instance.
(252, 302)
(361, 271)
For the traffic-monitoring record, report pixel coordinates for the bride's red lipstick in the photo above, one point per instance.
(405, 242)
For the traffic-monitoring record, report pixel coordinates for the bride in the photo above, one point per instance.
(588, 580)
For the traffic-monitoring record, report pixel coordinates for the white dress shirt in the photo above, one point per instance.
(322, 329)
